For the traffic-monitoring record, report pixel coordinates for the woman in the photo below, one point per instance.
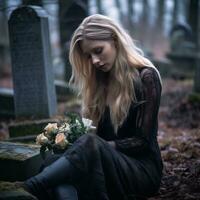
(120, 91)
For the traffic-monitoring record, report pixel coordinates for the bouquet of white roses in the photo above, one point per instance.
(59, 136)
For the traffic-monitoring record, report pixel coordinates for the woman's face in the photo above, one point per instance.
(101, 53)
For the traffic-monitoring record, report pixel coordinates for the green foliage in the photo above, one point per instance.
(77, 127)
(71, 128)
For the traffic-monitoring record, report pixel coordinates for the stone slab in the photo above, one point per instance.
(19, 161)
(28, 139)
(8, 191)
(27, 127)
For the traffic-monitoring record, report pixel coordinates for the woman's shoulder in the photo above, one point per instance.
(148, 73)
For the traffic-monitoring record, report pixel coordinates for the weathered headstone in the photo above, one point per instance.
(18, 161)
(181, 39)
(28, 127)
(34, 89)
(8, 191)
(6, 103)
(71, 13)
(182, 50)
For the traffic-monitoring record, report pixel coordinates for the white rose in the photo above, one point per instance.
(41, 139)
(65, 128)
(61, 140)
(88, 124)
(78, 123)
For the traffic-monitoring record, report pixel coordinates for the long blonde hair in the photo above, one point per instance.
(120, 90)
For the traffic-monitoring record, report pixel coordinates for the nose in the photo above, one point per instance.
(95, 60)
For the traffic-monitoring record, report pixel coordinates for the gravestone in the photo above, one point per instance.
(181, 39)
(182, 51)
(71, 14)
(34, 89)
(18, 161)
(6, 103)
(8, 191)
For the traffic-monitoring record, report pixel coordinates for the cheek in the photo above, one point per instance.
(111, 55)
(104, 57)
(114, 54)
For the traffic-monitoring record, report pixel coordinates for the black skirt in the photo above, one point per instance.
(104, 173)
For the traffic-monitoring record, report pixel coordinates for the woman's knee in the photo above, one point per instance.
(90, 138)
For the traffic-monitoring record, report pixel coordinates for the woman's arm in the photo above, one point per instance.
(147, 115)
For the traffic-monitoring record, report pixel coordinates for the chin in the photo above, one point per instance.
(105, 70)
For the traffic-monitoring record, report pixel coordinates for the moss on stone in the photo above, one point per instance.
(8, 190)
(16, 151)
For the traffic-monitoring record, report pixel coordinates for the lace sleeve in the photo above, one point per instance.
(146, 116)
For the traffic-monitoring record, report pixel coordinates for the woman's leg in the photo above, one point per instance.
(77, 162)
(53, 175)
(65, 192)
(89, 164)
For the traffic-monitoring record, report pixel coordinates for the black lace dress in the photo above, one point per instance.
(134, 168)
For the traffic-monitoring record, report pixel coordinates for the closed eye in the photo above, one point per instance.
(98, 50)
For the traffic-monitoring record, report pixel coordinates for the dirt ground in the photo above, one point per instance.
(179, 140)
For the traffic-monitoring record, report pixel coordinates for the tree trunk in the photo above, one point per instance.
(193, 18)
(160, 16)
(175, 12)
(4, 43)
(130, 17)
(144, 23)
(99, 6)
(118, 5)
(197, 73)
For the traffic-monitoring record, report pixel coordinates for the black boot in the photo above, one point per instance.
(65, 192)
(55, 174)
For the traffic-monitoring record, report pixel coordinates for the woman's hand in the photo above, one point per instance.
(112, 144)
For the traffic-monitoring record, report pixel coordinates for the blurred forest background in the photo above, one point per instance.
(150, 23)
(168, 31)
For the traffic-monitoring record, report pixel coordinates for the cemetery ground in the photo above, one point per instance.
(179, 139)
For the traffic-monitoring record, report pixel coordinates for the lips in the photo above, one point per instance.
(99, 66)
(102, 66)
